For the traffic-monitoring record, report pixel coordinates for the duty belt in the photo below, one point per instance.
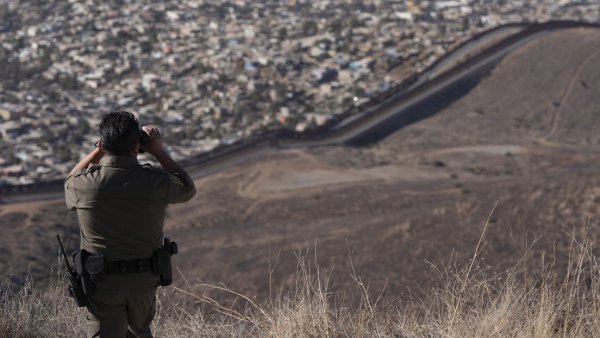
(129, 266)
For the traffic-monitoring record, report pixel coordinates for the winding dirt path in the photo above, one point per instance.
(565, 96)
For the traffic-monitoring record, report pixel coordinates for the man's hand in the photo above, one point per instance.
(92, 158)
(154, 147)
(187, 190)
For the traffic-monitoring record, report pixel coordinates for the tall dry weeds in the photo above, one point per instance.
(470, 303)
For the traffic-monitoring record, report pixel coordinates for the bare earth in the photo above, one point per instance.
(526, 138)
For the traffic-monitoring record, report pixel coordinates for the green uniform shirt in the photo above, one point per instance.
(121, 205)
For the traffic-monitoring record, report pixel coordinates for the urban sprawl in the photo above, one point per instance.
(211, 73)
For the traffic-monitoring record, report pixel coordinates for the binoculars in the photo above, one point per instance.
(144, 139)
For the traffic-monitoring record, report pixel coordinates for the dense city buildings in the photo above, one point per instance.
(214, 72)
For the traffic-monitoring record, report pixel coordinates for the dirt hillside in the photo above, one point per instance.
(525, 139)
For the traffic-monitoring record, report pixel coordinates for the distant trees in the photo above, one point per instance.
(310, 27)
(336, 26)
(120, 39)
(67, 81)
(9, 20)
(11, 72)
(282, 34)
(146, 47)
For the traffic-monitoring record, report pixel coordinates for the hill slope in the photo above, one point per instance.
(524, 138)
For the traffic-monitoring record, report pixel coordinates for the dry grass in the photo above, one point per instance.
(33, 312)
(470, 303)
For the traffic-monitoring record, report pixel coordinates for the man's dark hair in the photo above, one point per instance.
(119, 131)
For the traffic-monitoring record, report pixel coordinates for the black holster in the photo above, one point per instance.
(90, 269)
(161, 262)
(76, 290)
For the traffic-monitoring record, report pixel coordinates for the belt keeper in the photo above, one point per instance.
(122, 267)
(140, 266)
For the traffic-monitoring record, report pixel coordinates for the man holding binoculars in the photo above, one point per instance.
(121, 209)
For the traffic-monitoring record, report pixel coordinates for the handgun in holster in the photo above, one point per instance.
(161, 262)
(90, 268)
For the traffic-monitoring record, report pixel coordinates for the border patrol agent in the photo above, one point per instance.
(121, 208)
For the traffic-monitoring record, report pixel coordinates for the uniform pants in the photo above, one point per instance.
(122, 306)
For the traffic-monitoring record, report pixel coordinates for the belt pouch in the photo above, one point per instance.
(95, 267)
(161, 266)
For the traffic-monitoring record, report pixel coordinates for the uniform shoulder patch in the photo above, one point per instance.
(155, 170)
(94, 168)
(88, 170)
(175, 179)
(152, 168)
